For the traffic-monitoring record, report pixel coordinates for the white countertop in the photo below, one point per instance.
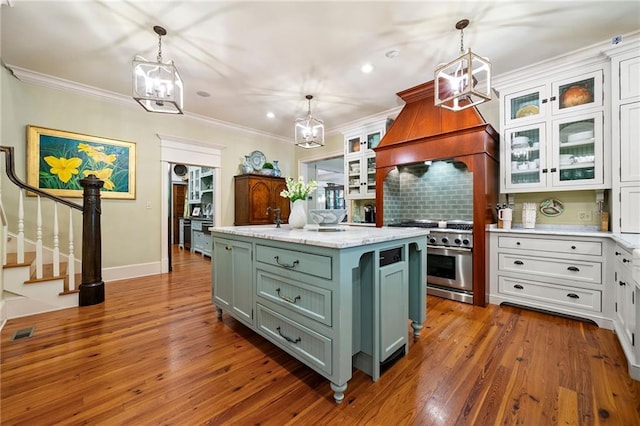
(346, 236)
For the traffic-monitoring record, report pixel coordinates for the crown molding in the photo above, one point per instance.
(33, 77)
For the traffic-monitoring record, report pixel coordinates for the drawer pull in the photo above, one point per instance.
(518, 286)
(517, 243)
(573, 268)
(287, 338)
(573, 296)
(622, 283)
(228, 248)
(518, 262)
(626, 261)
(618, 253)
(287, 299)
(286, 265)
(573, 247)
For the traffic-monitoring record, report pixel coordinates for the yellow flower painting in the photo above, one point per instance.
(58, 161)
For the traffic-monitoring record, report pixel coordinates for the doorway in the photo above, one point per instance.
(328, 171)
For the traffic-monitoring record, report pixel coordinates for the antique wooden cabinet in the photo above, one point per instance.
(254, 194)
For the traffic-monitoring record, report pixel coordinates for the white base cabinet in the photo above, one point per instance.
(627, 311)
(552, 273)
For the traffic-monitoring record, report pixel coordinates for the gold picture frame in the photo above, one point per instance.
(57, 160)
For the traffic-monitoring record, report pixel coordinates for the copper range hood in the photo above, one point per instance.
(423, 132)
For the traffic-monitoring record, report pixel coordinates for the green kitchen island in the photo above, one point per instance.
(332, 299)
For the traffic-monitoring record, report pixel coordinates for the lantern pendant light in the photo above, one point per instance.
(157, 86)
(309, 131)
(465, 81)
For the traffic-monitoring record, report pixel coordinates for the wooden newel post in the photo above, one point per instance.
(92, 286)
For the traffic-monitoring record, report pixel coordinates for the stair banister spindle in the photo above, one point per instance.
(71, 268)
(20, 239)
(39, 240)
(56, 242)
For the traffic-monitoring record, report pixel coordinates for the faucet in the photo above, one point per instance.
(276, 210)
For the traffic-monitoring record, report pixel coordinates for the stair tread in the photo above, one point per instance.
(12, 259)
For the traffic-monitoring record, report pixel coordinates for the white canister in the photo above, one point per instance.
(506, 216)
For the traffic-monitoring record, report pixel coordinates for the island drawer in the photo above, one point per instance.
(308, 300)
(565, 296)
(577, 270)
(313, 348)
(552, 245)
(307, 263)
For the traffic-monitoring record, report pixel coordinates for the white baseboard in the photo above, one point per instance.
(131, 271)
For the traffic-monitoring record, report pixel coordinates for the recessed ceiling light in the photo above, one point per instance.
(393, 53)
(270, 115)
(367, 68)
(203, 93)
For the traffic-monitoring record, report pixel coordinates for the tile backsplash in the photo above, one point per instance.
(442, 190)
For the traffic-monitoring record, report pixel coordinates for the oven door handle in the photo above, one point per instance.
(464, 250)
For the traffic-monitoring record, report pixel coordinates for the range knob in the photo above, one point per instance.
(465, 242)
(457, 241)
(445, 240)
(432, 240)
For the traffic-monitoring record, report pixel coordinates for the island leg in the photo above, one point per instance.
(338, 391)
(417, 326)
(219, 312)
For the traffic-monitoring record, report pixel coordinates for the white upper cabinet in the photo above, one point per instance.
(360, 160)
(554, 133)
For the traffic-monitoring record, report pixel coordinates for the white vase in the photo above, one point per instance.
(298, 215)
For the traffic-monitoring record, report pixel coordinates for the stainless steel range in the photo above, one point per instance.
(449, 258)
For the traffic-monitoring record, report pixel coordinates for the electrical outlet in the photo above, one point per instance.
(585, 215)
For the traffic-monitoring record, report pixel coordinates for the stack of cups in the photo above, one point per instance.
(529, 215)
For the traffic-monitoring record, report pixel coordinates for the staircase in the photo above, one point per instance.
(26, 294)
(35, 278)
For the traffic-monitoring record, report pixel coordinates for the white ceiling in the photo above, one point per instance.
(255, 57)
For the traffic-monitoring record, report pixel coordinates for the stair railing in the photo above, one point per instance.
(91, 289)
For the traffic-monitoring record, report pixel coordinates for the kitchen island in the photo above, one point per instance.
(333, 299)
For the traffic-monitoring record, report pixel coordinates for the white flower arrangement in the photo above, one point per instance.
(298, 190)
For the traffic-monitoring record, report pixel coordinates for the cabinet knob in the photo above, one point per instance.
(545, 170)
(573, 247)
(553, 98)
(544, 101)
(553, 170)
(618, 253)
(622, 283)
(228, 248)
(517, 243)
(626, 261)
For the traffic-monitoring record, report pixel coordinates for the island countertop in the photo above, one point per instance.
(345, 236)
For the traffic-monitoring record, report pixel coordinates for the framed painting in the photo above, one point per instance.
(58, 160)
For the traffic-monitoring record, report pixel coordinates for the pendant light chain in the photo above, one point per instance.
(159, 48)
(462, 40)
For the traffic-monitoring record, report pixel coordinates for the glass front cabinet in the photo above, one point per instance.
(360, 160)
(553, 136)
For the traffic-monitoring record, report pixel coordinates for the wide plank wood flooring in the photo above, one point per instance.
(155, 353)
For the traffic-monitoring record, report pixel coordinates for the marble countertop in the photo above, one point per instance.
(630, 242)
(345, 236)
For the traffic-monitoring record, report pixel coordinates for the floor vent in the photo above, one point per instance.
(23, 333)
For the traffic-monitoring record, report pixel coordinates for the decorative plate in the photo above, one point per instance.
(257, 159)
(551, 207)
(527, 110)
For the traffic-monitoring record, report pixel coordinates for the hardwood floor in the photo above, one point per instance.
(155, 353)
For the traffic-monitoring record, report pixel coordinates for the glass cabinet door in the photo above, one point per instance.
(373, 139)
(353, 144)
(370, 177)
(526, 150)
(354, 183)
(526, 106)
(578, 150)
(577, 93)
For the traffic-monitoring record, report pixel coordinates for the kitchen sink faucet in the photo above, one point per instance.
(276, 210)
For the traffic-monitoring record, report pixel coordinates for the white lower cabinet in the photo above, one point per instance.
(627, 290)
(551, 273)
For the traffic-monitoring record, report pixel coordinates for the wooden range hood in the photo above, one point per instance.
(425, 132)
